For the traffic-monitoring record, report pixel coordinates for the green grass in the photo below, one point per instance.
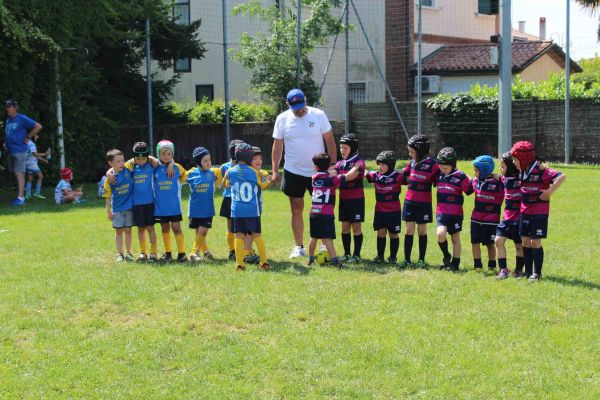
(74, 324)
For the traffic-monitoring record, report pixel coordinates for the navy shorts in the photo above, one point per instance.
(452, 222)
(534, 227)
(294, 185)
(483, 233)
(246, 225)
(143, 215)
(509, 230)
(201, 222)
(352, 210)
(322, 227)
(418, 213)
(225, 208)
(168, 218)
(389, 220)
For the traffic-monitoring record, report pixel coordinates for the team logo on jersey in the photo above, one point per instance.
(454, 180)
(311, 124)
(318, 183)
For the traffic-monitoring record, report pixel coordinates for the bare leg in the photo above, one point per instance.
(128, 239)
(119, 240)
(21, 183)
(501, 246)
(297, 207)
(456, 247)
(312, 246)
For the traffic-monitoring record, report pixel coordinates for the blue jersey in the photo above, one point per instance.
(222, 170)
(245, 183)
(121, 192)
(15, 130)
(167, 191)
(202, 187)
(143, 189)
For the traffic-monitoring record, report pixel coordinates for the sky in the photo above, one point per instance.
(584, 26)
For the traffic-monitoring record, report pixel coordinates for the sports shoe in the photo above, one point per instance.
(153, 258)
(194, 258)
(311, 261)
(39, 196)
(240, 268)
(353, 260)
(181, 258)
(17, 202)
(339, 264)
(535, 277)
(392, 260)
(503, 274)
(265, 267)
(421, 264)
(298, 252)
(446, 263)
(142, 258)
(165, 258)
(518, 274)
(128, 257)
(208, 255)
(252, 258)
(404, 264)
(345, 257)
(378, 260)
(231, 255)
(120, 258)
(27, 197)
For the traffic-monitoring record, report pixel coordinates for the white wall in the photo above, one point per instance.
(455, 84)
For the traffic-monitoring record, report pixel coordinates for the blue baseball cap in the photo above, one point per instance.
(296, 99)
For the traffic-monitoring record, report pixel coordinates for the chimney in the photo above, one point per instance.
(522, 26)
(543, 28)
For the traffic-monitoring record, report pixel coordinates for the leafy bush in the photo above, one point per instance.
(213, 112)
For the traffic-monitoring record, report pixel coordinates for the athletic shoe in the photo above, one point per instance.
(153, 258)
(167, 257)
(27, 197)
(252, 258)
(503, 274)
(142, 258)
(265, 266)
(446, 263)
(392, 260)
(535, 277)
(194, 258)
(311, 261)
(231, 255)
(404, 264)
(378, 260)
(352, 260)
(39, 196)
(240, 268)
(208, 255)
(421, 264)
(17, 202)
(120, 258)
(345, 257)
(518, 274)
(298, 252)
(451, 268)
(128, 257)
(181, 258)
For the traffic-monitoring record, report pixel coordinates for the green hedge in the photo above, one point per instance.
(213, 112)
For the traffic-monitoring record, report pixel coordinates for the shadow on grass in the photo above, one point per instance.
(288, 266)
(573, 282)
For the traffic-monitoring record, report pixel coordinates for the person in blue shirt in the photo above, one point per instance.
(246, 184)
(225, 210)
(18, 128)
(119, 202)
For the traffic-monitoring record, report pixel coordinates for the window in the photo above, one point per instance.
(357, 92)
(488, 7)
(181, 14)
(427, 3)
(205, 91)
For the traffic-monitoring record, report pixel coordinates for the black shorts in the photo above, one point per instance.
(225, 208)
(294, 185)
(483, 233)
(168, 218)
(452, 222)
(352, 210)
(322, 227)
(533, 226)
(419, 213)
(143, 215)
(246, 225)
(201, 222)
(509, 230)
(389, 220)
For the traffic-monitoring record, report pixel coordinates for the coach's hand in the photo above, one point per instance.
(275, 177)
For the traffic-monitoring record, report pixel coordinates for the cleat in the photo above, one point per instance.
(298, 252)
(378, 260)
(142, 258)
(352, 260)
(252, 258)
(181, 258)
(503, 274)
(345, 257)
(265, 266)
(194, 258)
(392, 260)
(231, 255)
(208, 255)
(404, 264)
(128, 257)
(17, 202)
(240, 268)
(39, 196)
(166, 258)
(518, 275)
(535, 277)
(120, 258)
(27, 197)
(421, 264)
(153, 258)
(446, 263)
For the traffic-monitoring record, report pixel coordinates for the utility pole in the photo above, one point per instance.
(226, 75)
(59, 116)
(347, 66)
(505, 83)
(149, 87)
(420, 70)
(298, 41)
(568, 86)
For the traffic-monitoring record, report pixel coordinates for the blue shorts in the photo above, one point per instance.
(225, 210)
(143, 215)
(352, 210)
(452, 222)
(533, 226)
(201, 222)
(483, 233)
(246, 225)
(509, 230)
(30, 170)
(420, 213)
(322, 227)
(389, 220)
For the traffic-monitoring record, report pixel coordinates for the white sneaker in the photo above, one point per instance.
(298, 252)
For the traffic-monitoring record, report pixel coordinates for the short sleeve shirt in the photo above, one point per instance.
(15, 130)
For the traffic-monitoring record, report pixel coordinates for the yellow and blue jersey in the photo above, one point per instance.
(167, 191)
(143, 190)
(121, 192)
(202, 186)
(221, 174)
(246, 185)
(263, 178)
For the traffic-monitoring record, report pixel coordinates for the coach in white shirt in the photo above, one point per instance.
(303, 131)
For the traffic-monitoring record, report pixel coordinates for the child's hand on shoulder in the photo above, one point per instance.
(171, 169)
(110, 176)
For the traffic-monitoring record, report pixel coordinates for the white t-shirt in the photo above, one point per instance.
(302, 138)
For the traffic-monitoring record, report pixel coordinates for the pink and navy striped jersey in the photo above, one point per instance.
(387, 190)
(323, 194)
(353, 189)
(489, 195)
(533, 182)
(512, 198)
(450, 189)
(420, 177)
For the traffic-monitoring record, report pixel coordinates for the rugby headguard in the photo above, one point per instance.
(244, 153)
(524, 152)
(257, 151)
(511, 170)
(388, 158)
(421, 145)
(447, 156)
(198, 155)
(485, 165)
(165, 144)
(232, 146)
(141, 149)
(350, 140)
(66, 174)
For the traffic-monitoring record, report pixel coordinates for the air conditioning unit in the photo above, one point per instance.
(429, 84)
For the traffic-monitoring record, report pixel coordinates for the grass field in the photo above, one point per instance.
(74, 324)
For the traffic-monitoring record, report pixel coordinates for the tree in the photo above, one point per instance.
(590, 73)
(593, 6)
(271, 56)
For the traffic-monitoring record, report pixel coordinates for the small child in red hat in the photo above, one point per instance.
(63, 194)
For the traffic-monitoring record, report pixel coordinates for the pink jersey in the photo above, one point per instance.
(533, 182)
(420, 177)
(323, 194)
(512, 198)
(450, 189)
(387, 190)
(353, 189)
(489, 195)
